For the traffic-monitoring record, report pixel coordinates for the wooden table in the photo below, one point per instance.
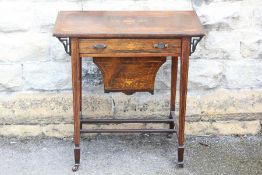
(129, 47)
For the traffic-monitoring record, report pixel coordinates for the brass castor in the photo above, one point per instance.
(180, 165)
(75, 167)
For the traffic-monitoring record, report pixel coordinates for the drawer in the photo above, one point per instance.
(130, 47)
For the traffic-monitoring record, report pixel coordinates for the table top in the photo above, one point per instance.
(127, 24)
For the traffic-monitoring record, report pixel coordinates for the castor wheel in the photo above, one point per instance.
(180, 165)
(75, 167)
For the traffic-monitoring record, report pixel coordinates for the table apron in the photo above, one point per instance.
(129, 47)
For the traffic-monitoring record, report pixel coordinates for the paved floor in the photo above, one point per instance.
(132, 155)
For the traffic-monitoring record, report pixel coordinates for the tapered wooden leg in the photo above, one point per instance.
(184, 61)
(75, 59)
(80, 79)
(173, 91)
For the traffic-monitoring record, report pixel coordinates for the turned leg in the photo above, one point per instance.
(173, 91)
(75, 59)
(184, 61)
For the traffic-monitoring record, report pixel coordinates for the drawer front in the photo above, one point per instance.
(130, 46)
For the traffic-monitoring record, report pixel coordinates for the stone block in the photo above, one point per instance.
(31, 15)
(92, 76)
(243, 74)
(251, 44)
(97, 106)
(47, 76)
(10, 77)
(217, 14)
(163, 77)
(140, 105)
(227, 102)
(192, 128)
(20, 130)
(35, 108)
(24, 47)
(223, 128)
(58, 130)
(55, 108)
(222, 45)
(205, 74)
(57, 52)
(50, 108)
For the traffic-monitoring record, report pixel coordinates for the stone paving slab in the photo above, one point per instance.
(132, 155)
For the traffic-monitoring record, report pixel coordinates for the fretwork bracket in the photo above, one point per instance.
(66, 44)
(194, 42)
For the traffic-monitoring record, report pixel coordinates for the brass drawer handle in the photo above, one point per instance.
(100, 46)
(160, 45)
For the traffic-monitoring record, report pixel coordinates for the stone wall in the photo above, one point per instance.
(225, 78)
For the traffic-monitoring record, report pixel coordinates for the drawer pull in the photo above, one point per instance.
(160, 45)
(100, 46)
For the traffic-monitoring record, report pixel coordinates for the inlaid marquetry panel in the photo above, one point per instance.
(129, 75)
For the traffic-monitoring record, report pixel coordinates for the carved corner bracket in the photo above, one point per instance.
(66, 43)
(194, 42)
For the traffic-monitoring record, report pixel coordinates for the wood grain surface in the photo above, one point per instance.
(129, 75)
(127, 47)
(127, 24)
